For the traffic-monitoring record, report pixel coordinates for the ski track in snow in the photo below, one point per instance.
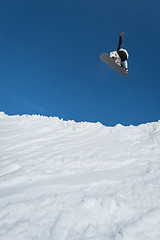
(61, 180)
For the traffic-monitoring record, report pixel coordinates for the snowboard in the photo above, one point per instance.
(110, 62)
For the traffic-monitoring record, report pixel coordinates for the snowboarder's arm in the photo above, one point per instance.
(120, 41)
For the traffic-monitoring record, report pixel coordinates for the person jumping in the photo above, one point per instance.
(121, 55)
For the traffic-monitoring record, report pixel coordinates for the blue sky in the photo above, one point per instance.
(50, 65)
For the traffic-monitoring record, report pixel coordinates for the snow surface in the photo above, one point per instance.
(78, 181)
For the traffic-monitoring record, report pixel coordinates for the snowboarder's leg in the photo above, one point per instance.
(114, 55)
(118, 61)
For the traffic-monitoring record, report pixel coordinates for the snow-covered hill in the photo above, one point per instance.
(61, 180)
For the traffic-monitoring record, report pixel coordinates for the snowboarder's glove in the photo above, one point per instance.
(126, 70)
(122, 34)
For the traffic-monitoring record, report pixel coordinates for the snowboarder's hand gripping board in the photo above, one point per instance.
(110, 62)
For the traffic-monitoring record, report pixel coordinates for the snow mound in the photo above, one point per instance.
(62, 180)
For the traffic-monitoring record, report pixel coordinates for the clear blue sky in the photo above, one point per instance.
(50, 65)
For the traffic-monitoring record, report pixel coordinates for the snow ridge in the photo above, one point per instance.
(62, 180)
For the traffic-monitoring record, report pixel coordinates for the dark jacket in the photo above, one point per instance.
(122, 52)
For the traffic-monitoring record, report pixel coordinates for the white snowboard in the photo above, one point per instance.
(110, 62)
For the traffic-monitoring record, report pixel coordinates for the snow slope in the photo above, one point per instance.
(61, 180)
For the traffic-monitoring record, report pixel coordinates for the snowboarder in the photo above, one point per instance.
(121, 55)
